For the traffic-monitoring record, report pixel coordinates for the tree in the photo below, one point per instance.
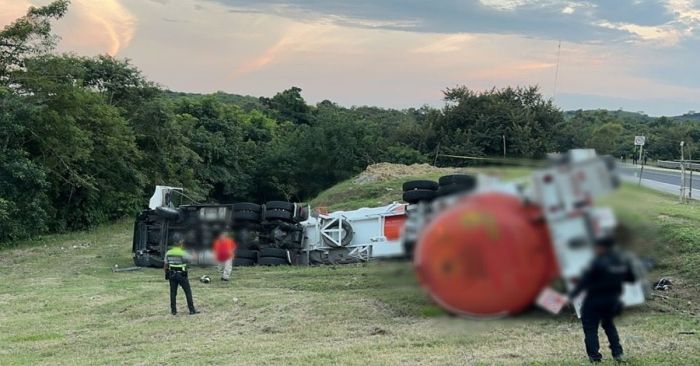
(288, 105)
(605, 138)
(28, 36)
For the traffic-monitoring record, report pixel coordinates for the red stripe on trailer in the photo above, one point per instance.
(393, 225)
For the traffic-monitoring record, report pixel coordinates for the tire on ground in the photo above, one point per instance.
(420, 184)
(246, 216)
(243, 262)
(246, 206)
(461, 179)
(280, 205)
(272, 261)
(278, 215)
(247, 254)
(418, 195)
(273, 252)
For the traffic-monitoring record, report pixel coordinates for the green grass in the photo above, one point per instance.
(61, 304)
(349, 195)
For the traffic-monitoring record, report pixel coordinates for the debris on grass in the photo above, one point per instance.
(378, 331)
(663, 284)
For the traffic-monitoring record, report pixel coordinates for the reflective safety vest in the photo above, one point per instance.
(175, 257)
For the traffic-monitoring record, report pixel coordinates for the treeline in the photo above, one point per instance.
(83, 140)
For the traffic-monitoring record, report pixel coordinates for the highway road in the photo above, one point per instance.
(658, 175)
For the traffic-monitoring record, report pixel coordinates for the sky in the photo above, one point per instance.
(636, 55)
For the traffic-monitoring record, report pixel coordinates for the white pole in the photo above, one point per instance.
(641, 162)
(682, 194)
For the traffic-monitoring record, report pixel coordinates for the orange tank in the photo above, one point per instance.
(489, 255)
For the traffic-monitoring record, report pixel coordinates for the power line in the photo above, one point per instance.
(556, 72)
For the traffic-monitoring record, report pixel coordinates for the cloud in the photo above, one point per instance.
(296, 38)
(662, 22)
(449, 43)
(110, 24)
(105, 25)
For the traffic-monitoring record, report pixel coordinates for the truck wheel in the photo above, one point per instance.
(420, 184)
(280, 205)
(418, 195)
(273, 252)
(461, 179)
(272, 261)
(246, 254)
(246, 216)
(141, 261)
(278, 214)
(246, 206)
(243, 262)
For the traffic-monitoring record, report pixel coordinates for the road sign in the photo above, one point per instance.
(639, 140)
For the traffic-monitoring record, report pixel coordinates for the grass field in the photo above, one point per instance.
(61, 304)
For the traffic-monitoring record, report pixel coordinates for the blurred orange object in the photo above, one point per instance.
(488, 255)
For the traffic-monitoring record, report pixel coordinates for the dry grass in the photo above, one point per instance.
(63, 305)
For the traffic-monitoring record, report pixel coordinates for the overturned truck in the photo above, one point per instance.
(274, 233)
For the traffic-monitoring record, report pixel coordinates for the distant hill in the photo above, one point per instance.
(246, 102)
(637, 116)
(249, 102)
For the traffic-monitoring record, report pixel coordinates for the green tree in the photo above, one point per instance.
(28, 36)
(605, 138)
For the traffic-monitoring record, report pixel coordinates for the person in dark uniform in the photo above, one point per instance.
(603, 285)
(175, 267)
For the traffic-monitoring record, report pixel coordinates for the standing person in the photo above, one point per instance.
(224, 248)
(603, 285)
(175, 267)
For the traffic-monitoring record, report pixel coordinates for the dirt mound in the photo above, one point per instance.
(388, 171)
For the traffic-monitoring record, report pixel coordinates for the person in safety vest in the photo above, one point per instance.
(175, 267)
(224, 249)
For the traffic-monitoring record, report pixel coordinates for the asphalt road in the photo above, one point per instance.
(662, 176)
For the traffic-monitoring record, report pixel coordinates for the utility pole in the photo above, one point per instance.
(504, 146)
(682, 195)
(641, 162)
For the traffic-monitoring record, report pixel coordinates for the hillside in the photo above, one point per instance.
(63, 305)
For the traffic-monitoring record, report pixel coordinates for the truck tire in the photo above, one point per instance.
(273, 252)
(278, 215)
(246, 254)
(280, 205)
(418, 195)
(243, 262)
(246, 216)
(272, 261)
(461, 179)
(420, 184)
(246, 206)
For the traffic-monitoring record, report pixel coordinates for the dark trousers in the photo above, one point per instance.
(178, 278)
(593, 314)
